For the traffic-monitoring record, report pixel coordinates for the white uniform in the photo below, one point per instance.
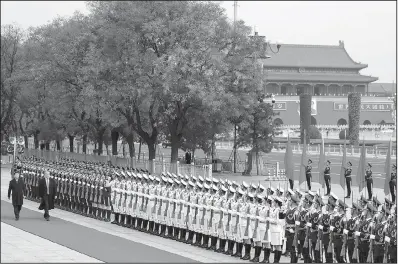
(123, 197)
(227, 218)
(158, 201)
(185, 207)
(201, 213)
(128, 197)
(275, 227)
(170, 211)
(235, 219)
(220, 227)
(145, 200)
(116, 207)
(265, 234)
(245, 231)
(208, 208)
(134, 193)
(165, 204)
(150, 210)
(192, 223)
(140, 202)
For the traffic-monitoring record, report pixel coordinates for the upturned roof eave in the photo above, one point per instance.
(358, 66)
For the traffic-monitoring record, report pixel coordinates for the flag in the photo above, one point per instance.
(321, 164)
(361, 168)
(289, 164)
(387, 170)
(343, 164)
(304, 162)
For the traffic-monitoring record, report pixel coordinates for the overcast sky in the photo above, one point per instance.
(368, 29)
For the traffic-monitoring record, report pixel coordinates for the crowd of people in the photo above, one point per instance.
(222, 215)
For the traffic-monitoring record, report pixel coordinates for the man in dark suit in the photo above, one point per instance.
(188, 157)
(17, 187)
(47, 191)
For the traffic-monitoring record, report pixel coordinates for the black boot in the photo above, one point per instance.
(221, 247)
(108, 215)
(230, 248)
(169, 232)
(139, 222)
(122, 221)
(267, 253)
(190, 237)
(156, 229)
(238, 252)
(247, 252)
(277, 256)
(145, 226)
(213, 243)
(103, 215)
(182, 235)
(128, 221)
(205, 241)
(198, 240)
(116, 221)
(133, 222)
(257, 252)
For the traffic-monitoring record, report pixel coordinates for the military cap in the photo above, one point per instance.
(183, 182)
(363, 199)
(241, 192)
(271, 189)
(214, 187)
(186, 177)
(193, 177)
(270, 198)
(319, 201)
(206, 186)
(375, 201)
(215, 180)
(333, 196)
(252, 185)
(260, 198)
(251, 195)
(245, 184)
(170, 180)
(191, 183)
(145, 176)
(311, 193)
(180, 175)
(309, 198)
(261, 187)
(222, 181)
(355, 206)
(388, 202)
(234, 183)
(280, 190)
(158, 179)
(169, 174)
(224, 189)
(385, 210)
(201, 178)
(299, 194)
(342, 205)
(369, 165)
(139, 176)
(371, 208)
(199, 185)
(232, 189)
(208, 179)
(177, 181)
(290, 191)
(151, 177)
(278, 201)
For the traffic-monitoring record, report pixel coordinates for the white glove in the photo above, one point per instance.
(357, 233)
(345, 232)
(309, 224)
(372, 237)
(297, 223)
(320, 227)
(387, 239)
(291, 230)
(331, 228)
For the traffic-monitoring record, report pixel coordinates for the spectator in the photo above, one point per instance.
(188, 157)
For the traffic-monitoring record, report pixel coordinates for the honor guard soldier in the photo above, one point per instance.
(303, 234)
(347, 175)
(390, 238)
(351, 227)
(107, 198)
(210, 215)
(316, 234)
(308, 174)
(325, 224)
(227, 220)
(115, 197)
(258, 217)
(236, 228)
(220, 205)
(365, 230)
(376, 203)
(150, 210)
(197, 215)
(326, 174)
(185, 208)
(157, 204)
(291, 218)
(338, 224)
(379, 243)
(245, 223)
(277, 219)
(369, 180)
(191, 213)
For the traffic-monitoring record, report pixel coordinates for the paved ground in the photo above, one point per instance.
(20, 246)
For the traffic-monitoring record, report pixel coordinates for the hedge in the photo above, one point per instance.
(354, 113)
(305, 116)
(314, 133)
(341, 134)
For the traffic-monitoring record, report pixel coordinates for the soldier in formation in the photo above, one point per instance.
(247, 221)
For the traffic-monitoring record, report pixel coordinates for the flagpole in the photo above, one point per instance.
(345, 139)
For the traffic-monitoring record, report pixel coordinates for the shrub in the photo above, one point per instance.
(314, 133)
(305, 115)
(367, 122)
(341, 134)
(354, 113)
(342, 122)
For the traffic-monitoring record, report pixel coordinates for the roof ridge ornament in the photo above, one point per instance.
(341, 43)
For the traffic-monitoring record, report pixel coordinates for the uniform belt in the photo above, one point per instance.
(313, 230)
(348, 176)
(379, 243)
(290, 225)
(327, 174)
(326, 233)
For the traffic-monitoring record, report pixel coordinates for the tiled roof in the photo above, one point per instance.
(387, 88)
(313, 77)
(316, 56)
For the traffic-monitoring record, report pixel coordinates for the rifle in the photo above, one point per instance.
(211, 212)
(179, 211)
(174, 205)
(202, 221)
(256, 225)
(344, 247)
(188, 209)
(194, 220)
(267, 225)
(221, 217)
(160, 204)
(370, 254)
(167, 205)
(229, 217)
(154, 204)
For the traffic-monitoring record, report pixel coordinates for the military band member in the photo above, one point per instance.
(351, 227)
(315, 235)
(308, 174)
(365, 230)
(369, 181)
(326, 174)
(347, 175)
(390, 237)
(325, 226)
(291, 216)
(338, 224)
(379, 243)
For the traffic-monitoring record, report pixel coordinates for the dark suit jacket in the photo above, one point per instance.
(17, 188)
(43, 192)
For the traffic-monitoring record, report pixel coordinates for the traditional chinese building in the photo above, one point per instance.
(329, 74)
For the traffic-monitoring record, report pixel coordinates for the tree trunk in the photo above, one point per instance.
(100, 142)
(58, 145)
(124, 149)
(26, 140)
(71, 141)
(213, 149)
(115, 137)
(107, 149)
(36, 139)
(175, 145)
(249, 163)
(139, 149)
(85, 143)
(130, 141)
(193, 156)
(47, 145)
(151, 150)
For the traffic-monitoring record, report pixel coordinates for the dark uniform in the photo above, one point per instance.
(393, 183)
(308, 176)
(347, 175)
(369, 182)
(326, 173)
(352, 226)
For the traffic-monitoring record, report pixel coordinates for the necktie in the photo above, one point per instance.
(48, 192)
